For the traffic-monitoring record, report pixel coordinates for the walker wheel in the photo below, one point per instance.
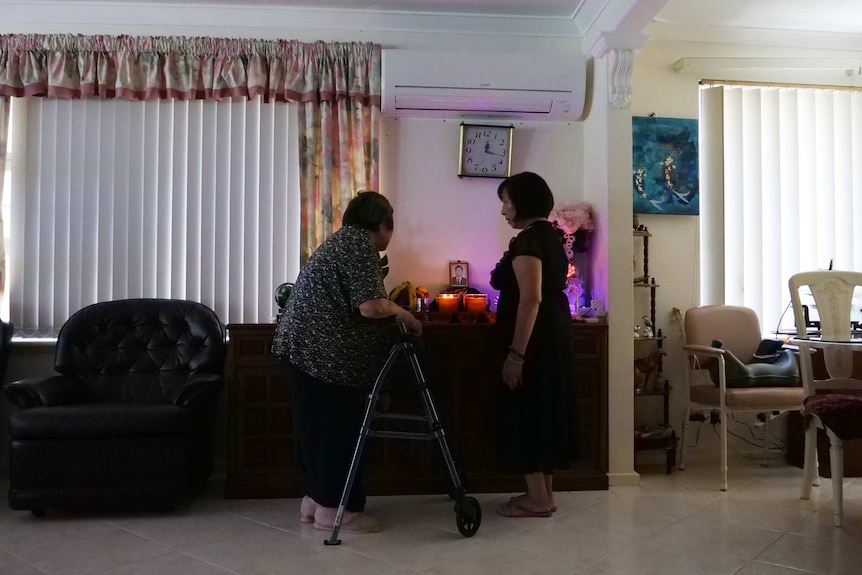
(468, 517)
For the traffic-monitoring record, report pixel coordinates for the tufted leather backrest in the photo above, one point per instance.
(140, 350)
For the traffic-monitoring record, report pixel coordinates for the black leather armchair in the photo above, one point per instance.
(128, 422)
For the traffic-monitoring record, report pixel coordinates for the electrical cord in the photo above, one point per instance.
(697, 435)
(775, 458)
(771, 437)
(778, 327)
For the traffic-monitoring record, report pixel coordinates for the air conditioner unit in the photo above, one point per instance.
(531, 86)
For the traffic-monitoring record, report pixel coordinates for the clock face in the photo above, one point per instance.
(485, 151)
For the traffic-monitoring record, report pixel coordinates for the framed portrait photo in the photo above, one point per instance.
(459, 274)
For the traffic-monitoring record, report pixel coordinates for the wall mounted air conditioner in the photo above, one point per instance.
(530, 86)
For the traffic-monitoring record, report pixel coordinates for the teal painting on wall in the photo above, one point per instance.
(664, 166)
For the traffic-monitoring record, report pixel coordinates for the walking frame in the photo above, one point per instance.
(468, 512)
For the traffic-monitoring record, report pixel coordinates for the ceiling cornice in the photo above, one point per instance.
(47, 14)
(754, 37)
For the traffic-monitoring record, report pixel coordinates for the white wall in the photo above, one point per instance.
(440, 217)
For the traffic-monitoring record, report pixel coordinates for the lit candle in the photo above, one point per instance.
(447, 302)
(475, 302)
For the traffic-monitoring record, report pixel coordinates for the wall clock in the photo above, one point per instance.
(485, 151)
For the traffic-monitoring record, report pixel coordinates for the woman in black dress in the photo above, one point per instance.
(533, 314)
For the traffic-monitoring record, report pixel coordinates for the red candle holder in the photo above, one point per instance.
(475, 302)
(448, 302)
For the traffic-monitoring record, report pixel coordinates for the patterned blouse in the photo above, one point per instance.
(321, 331)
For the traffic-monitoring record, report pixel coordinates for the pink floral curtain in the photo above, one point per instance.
(336, 84)
(338, 157)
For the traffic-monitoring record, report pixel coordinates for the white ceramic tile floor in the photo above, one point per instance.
(676, 524)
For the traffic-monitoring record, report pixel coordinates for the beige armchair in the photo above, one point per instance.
(729, 378)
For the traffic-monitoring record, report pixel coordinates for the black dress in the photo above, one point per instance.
(538, 420)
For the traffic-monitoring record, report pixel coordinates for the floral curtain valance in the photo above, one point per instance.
(145, 68)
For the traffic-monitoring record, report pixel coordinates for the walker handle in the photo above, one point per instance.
(402, 327)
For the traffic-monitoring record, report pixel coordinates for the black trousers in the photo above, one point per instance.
(328, 419)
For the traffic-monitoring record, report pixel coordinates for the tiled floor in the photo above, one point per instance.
(678, 524)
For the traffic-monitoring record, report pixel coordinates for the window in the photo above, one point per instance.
(119, 199)
(781, 191)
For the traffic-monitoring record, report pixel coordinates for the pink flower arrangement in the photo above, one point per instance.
(575, 222)
(571, 217)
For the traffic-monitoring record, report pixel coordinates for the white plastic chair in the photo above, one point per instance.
(839, 414)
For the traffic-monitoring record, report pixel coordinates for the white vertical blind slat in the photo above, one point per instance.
(59, 213)
(149, 241)
(120, 185)
(734, 189)
(178, 201)
(791, 211)
(842, 176)
(711, 165)
(251, 244)
(194, 214)
(135, 233)
(770, 203)
(266, 166)
(856, 181)
(48, 185)
(209, 205)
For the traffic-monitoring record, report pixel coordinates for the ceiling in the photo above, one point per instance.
(816, 23)
(835, 16)
(531, 8)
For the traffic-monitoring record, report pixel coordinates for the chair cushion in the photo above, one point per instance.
(752, 399)
(777, 371)
(100, 420)
(839, 412)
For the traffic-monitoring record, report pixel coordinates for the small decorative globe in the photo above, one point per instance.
(282, 292)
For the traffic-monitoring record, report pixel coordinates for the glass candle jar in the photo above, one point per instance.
(448, 302)
(475, 302)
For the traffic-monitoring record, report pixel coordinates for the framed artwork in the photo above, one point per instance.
(459, 274)
(664, 166)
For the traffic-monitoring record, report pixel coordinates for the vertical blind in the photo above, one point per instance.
(789, 191)
(192, 200)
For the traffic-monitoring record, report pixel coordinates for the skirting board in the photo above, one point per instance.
(619, 479)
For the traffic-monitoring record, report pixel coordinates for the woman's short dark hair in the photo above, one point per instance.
(368, 211)
(529, 194)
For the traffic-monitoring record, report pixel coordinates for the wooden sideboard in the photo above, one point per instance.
(461, 364)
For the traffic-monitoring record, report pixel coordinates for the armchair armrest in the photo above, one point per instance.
(45, 391)
(198, 391)
(704, 350)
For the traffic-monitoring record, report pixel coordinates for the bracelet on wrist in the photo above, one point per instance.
(516, 353)
(515, 361)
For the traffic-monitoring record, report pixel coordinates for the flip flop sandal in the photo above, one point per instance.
(511, 509)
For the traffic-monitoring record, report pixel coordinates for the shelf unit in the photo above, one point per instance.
(660, 437)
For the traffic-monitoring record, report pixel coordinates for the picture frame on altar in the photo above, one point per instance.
(459, 274)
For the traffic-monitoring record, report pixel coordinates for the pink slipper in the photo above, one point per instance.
(307, 509)
(510, 509)
(553, 507)
(355, 523)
